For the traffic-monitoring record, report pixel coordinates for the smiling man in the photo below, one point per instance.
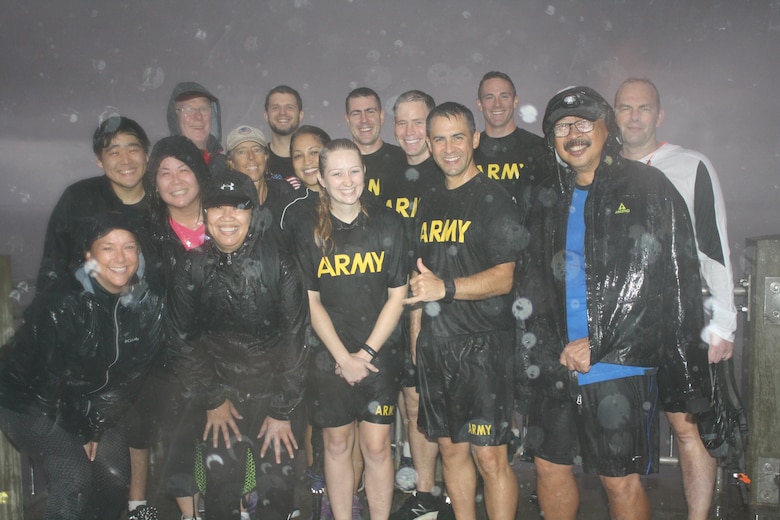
(121, 150)
(384, 161)
(506, 153)
(283, 113)
(467, 241)
(194, 112)
(613, 292)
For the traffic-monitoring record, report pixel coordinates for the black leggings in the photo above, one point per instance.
(78, 488)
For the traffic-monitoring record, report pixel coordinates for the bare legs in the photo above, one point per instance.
(698, 467)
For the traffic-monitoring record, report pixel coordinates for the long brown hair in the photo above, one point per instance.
(323, 227)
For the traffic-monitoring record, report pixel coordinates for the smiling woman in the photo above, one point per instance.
(237, 312)
(63, 386)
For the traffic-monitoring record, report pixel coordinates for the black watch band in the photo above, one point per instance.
(371, 352)
(449, 290)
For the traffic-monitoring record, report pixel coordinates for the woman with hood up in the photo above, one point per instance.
(237, 315)
(75, 366)
(176, 178)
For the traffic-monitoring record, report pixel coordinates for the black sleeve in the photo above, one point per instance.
(57, 245)
(293, 352)
(189, 358)
(707, 233)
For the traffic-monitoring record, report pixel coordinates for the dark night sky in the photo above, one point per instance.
(64, 64)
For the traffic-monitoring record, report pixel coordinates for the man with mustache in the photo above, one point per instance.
(609, 292)
(639, 114)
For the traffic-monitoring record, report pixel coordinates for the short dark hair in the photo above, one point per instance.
(321, 135)
(646, 81)
(414, 95)
(493, 74)
(451, 109)
(362, 92)
(284, 89)
(113, 126)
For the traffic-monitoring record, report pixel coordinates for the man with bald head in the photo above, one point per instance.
(639, 115)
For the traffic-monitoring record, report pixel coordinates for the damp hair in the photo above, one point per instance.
(414, 95)
(646, 81)
(113, 126)
(362, 92)
(323, 226)
(284, 89)
(320, 134)
(494, 74)
(451, 110)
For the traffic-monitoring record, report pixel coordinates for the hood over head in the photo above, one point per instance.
(189, 89)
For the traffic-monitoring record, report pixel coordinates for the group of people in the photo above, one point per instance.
(237, 304)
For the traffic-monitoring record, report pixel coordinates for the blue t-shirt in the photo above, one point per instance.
(576, 305)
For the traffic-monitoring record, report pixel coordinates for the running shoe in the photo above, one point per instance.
(357, 508)
(143, 513)
(419, 506)
(445, 510)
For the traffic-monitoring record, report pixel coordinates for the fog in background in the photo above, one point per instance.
(66, 64)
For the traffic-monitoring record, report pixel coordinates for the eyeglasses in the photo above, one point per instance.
(191, 111)
(583, 125)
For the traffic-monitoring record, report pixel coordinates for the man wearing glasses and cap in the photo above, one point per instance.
(610, 294)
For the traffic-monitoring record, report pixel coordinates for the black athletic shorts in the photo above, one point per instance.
(466, 387)
(614, 429)
(332, 402)
(409, 373)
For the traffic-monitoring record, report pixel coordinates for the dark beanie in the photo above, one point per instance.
(183, 149)
(102, 223)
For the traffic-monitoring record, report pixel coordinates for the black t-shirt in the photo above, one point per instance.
(402, 192)
(511, 160)
(462, 232)
(353, 278)
(281, 166)
(383, 167)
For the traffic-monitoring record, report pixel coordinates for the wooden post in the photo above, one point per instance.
(11, 503)
(763, 409)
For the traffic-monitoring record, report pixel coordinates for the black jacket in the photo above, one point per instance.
(643, 288)
(63, 249)
(81, 354)
(238, 322)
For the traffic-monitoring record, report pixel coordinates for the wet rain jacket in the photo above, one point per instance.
(238, 321)
(644, 301)
(81, 354)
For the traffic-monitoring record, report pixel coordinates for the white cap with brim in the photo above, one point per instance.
(243, 134)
